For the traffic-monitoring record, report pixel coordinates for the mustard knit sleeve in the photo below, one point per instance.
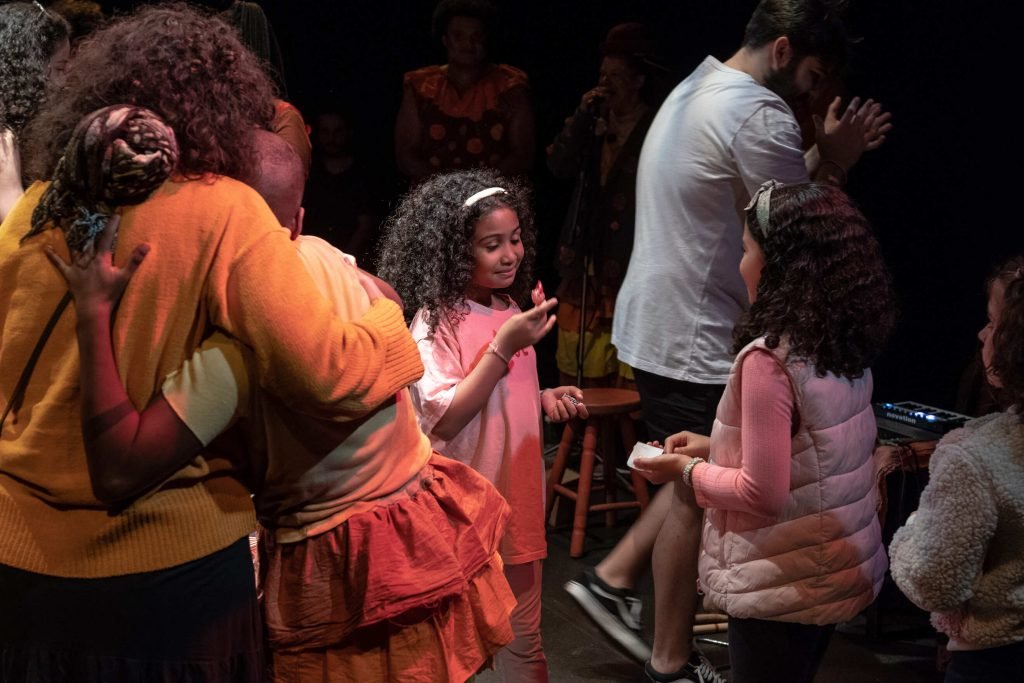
(260, 293)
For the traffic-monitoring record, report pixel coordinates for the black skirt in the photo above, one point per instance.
(199, 621)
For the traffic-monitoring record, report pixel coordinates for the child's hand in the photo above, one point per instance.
(562, 404)
(95, 282)
(537, 295)
(688, 443)
(662, 468)
(525, 329)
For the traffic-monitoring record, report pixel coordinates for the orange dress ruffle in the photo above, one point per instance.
(412, 590)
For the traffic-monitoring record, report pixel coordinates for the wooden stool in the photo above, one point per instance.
(609, 409)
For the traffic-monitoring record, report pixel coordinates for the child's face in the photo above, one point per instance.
(751, 263)
(497, 249)
(995, 310)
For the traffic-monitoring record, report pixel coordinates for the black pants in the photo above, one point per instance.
(772, 651)
(992, 664)
(198, 622)
(674, 405)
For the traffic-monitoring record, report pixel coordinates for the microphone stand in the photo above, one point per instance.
(581, 232)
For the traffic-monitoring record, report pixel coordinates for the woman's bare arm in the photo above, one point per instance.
(127, 451)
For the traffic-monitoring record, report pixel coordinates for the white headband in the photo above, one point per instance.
(483, 194)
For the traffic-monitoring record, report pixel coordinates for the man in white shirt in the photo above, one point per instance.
(721, 133)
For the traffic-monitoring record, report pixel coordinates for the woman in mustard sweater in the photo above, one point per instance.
(161, 588)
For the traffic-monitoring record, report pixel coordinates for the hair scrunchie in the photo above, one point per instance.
(117, 156)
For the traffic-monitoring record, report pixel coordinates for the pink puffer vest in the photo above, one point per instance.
(821, 561)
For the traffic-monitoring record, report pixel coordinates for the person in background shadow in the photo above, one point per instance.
(600, 147)
(257, 34)
(339, 201)
(469, 112)
(84, 17)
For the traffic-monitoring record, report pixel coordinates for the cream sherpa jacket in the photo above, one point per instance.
(961, 556)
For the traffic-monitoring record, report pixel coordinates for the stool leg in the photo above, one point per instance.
(608, 454)
(579, 522)
(628, 433)
(558, 468)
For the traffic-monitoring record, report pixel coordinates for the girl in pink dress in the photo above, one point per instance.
(459, 251)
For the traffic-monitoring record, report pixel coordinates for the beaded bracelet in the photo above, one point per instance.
(688, 470)
(493, 348)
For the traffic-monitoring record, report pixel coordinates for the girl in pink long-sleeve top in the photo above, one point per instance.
(792, 544)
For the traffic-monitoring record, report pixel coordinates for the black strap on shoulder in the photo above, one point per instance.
(19, 389)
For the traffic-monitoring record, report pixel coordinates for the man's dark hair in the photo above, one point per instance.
(815, 28)
(481, 10)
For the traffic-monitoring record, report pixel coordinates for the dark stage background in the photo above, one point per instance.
(941, 192)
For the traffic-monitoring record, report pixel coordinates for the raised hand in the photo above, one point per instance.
(876, 125)
(95, 282)
(525, 329)
(843, 137)
(537, 295)
(592, 99)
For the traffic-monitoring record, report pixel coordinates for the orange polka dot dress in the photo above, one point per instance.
(464, 129)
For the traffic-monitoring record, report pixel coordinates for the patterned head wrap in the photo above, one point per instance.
(116, 157)
(763, 200)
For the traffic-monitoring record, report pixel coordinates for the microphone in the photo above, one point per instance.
(597, 109)
(596, 105)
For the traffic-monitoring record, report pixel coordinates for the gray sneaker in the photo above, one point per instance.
(697, 670)
(616, 611)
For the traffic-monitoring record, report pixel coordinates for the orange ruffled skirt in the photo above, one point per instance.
(412, 590)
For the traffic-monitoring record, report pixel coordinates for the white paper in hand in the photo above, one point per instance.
(642, 450)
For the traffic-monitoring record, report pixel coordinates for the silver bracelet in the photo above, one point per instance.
(688, 470)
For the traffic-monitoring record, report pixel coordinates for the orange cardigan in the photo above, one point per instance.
(218, 259)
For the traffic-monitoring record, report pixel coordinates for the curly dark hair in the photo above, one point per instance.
(1008, 342)
(427, 250)
(824, 286)
(481, 10)
(29, 38)
(187, 67)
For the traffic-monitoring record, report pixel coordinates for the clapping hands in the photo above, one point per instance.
(843, 137)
